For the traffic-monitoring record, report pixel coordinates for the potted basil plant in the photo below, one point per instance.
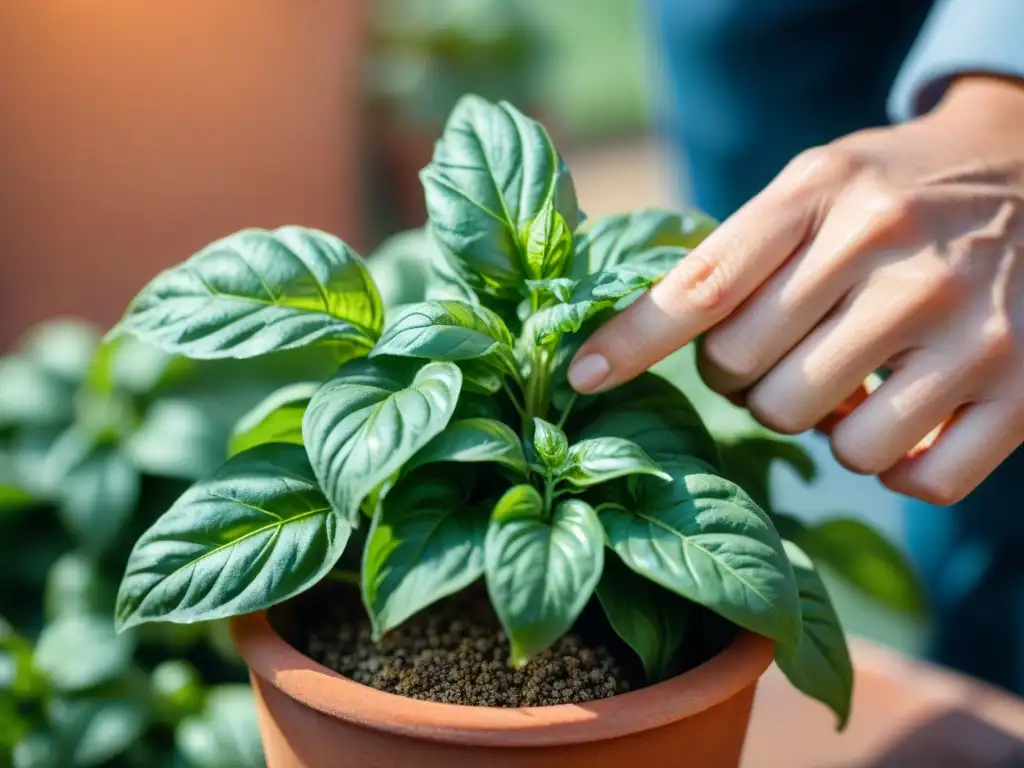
(545, 579)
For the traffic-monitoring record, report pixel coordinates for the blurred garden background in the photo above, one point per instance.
(133, 134)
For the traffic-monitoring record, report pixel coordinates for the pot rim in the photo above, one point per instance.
(720, 678)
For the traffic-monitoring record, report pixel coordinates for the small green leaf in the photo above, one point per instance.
(492, 173)
(79, 651)
(702, 537)
(820, 665)
(869, 562)
(651, 620)
(540, 574)
(601, 459)
(277, 419)
(97, 487)
(33, 396)
(260, 291)
(63, 347)
(225, 733)
(481, 377)
(366, 422)
(645, 237)
(472, 440)
(92, 732)
(449, 330)
(593, 294)
(425, 544)
(548, 244)
(558, 288)
(255, 533)
(550, 444)
(76, 586)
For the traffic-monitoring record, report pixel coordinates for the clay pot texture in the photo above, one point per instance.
(311, 717)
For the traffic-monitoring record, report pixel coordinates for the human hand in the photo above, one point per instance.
(898, 247)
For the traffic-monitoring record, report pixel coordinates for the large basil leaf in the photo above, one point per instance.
(820, 665)
(548, 244)
(260, 291)
(425, 544)
(601, 459)
(540, 574)
(97, 487)
(702, 537)
(471, 440)
(79, 651)
(492, 173)
(868, 561)
(651, 620)
(449, 330)
(255, 533)
(648, 237)
(593, 294)
(277, 419)
(225, 733)
(366, 422)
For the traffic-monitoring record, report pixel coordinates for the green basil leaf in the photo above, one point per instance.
(540, 574)
(277, 419)
(366, 422)
(225, 733)
(492, 173)
(645, 237)
(424, 544)
(548, 244)
(472, 440)
(449, 330)
(702, 537)
(260, 291)
(75, 586)
(820, 665)
(650, 620)
(550, 444)
(63, 348)
(80, 651)
(601, 459)
(868, 561)
(97, 488)
(659, 418)
(255, 533)
(32, 396)
(558, 288)
(481, 377)
(748, 461)
(592, 295)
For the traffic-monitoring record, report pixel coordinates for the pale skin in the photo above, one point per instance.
(898, 247)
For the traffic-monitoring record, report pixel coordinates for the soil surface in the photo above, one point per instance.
(457, 654)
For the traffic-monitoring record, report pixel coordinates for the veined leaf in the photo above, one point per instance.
(650, 619)
(260, 291)
(277, 419)
(473, 440)
(492, 173)
(702, 537)
(647, 237)
(425, 544)
(550, 443)
(255, 533)
(601, 459)
(366, 422)
(449, 330)
(557, 288)
(820, 665)
(540, 574)
(548, 244)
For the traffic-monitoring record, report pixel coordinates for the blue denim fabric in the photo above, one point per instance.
(750, 84)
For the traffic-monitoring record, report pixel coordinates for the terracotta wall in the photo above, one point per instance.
(132, 132)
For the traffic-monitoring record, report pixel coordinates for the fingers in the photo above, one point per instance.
(967, 451)
(703, 289)
(896, 418)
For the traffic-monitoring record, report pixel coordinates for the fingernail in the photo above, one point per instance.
(588, 373)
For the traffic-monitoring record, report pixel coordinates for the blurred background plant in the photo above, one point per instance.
(96, 441)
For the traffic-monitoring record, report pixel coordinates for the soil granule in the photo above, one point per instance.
(461, 658)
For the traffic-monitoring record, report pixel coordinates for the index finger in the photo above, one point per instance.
(700, 291)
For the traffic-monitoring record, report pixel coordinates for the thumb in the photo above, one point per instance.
(700, 291)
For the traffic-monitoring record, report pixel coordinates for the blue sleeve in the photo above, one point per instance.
(960, 36)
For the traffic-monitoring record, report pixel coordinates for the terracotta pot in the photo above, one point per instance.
(312, 717)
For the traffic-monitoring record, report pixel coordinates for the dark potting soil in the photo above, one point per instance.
(455, 653)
